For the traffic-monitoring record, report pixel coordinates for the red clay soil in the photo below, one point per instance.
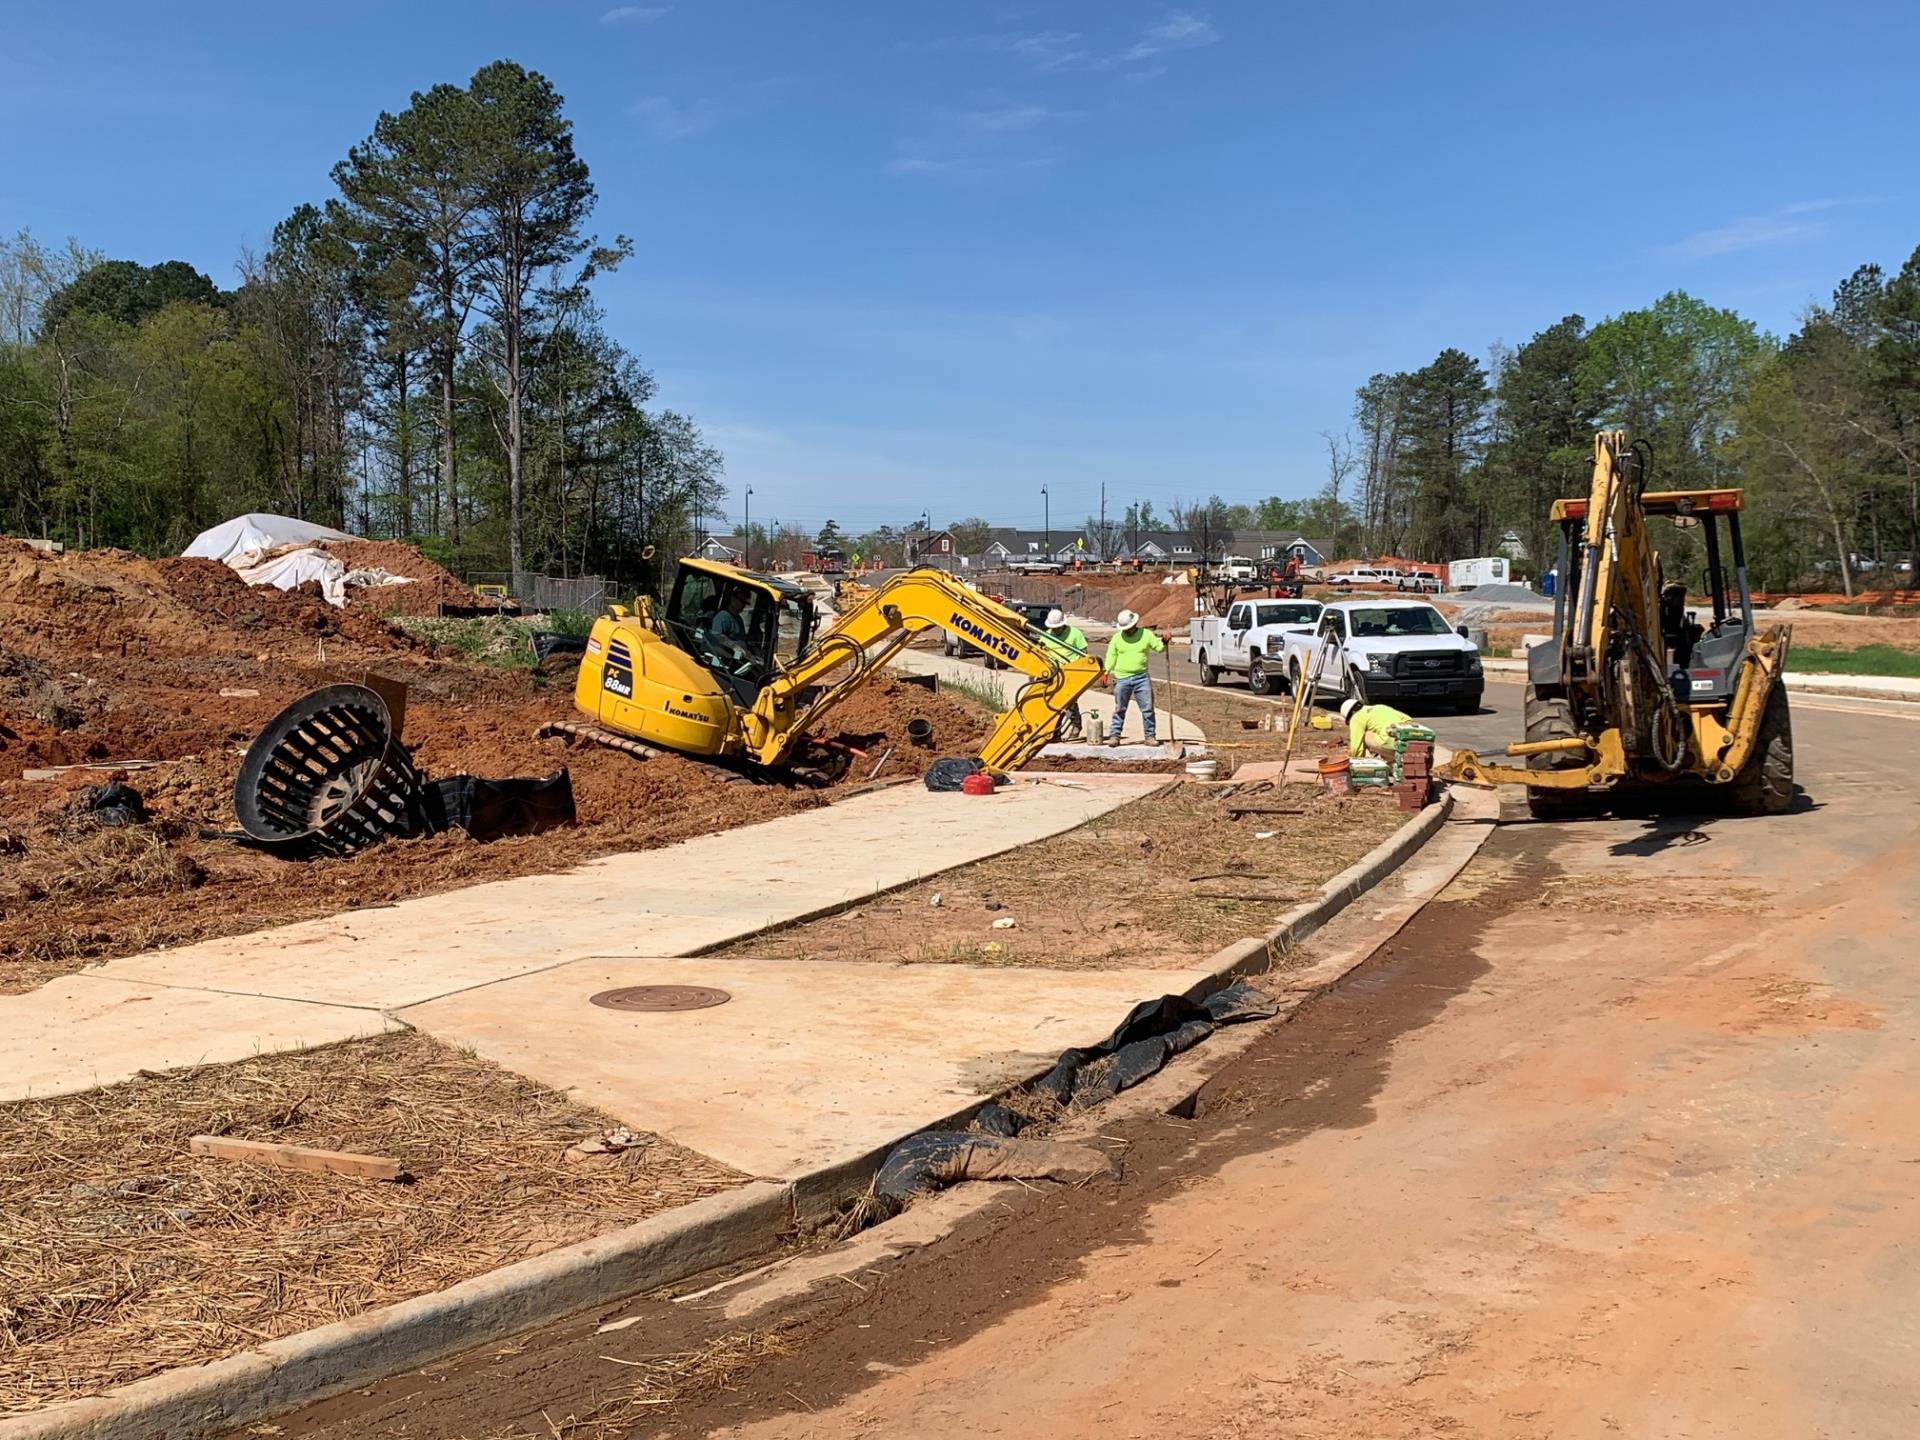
(105, 656)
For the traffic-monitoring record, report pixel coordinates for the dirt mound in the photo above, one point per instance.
(433, 584)
(878, 715)
(111, 602)
(1160, 606)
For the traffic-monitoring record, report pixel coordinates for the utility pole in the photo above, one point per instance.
(1101, 557)
(746, 526)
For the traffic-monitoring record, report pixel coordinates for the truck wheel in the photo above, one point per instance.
(1357, 687)
(1765, 786)
(1258, 681)
(1552, 719)
(1208, 675)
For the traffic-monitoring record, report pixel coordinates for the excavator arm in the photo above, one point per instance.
(880, 625)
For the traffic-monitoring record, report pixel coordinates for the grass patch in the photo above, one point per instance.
(984, 693)
(481, 640)
(1867, 660)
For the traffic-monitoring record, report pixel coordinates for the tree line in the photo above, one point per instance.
(1822, 429)
(419, 354)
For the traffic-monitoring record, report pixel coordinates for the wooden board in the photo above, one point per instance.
(298, 1157)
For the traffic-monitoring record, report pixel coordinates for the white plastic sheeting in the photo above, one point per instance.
(280, 551)
(246, 540)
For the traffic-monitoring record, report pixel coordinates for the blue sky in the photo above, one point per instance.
(898, 255)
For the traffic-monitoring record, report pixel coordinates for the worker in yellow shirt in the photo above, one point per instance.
(1126, 666)
(1370, 727)
(1068, 642)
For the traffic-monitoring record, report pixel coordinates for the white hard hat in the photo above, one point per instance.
(1055, 619)
(1126, 619)
(1348, 706)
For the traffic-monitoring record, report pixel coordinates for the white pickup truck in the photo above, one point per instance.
(1248, 639)
(1392, 650)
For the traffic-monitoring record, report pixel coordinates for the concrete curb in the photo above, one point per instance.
(1254, 954)
(303, 1368)
(299, 1369)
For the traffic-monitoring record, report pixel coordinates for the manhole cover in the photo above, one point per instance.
(661, 997)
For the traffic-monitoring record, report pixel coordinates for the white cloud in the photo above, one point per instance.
(633, 14)
(667, 120)
(1181, 30)
(1005, 118)
(1789, 225)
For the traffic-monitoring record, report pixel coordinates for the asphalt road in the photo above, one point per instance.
(1616, 1138)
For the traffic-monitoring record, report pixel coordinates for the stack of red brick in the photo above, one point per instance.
(1416, 775)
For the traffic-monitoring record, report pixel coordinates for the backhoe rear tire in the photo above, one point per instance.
(1552, 719)
(1765, 786)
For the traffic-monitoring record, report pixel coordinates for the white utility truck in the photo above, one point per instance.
(1399, 651)
(1248, 640)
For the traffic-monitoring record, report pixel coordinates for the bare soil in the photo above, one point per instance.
(105, 657)
(1155, 883)
(123, 1254)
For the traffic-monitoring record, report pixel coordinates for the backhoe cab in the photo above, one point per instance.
(730, 667)
(1634, 691)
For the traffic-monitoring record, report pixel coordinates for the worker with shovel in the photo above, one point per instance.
(1370, 727)
(1069, 643)
(1126, 667)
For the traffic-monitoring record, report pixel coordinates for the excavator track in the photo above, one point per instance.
(577, 732)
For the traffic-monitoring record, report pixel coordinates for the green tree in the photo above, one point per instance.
(1675, 375)
(1444, 429)
(410, 192)
(970, 536)
(128, 292)
(1543, 446)
(830, 537)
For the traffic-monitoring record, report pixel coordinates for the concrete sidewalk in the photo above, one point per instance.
(341, 977)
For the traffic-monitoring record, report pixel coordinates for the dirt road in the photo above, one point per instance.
(1616, 1138)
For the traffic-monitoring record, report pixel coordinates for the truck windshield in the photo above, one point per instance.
(1399, 620)
(1298, 614)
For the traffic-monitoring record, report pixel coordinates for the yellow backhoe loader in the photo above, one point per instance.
(730, 668)
(1633, 692)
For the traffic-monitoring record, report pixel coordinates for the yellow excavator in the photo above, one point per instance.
(1634, 693)
(730, 668)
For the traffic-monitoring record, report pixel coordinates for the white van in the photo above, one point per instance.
(1369, 575)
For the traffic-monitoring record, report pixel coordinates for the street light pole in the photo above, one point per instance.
(1046, 509)
(747, 526)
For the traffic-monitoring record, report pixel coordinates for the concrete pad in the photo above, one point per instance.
(691, 896)
(81, 1032)
(947, 669)
(810, 1064)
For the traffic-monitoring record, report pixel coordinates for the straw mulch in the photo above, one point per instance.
(122, 1254)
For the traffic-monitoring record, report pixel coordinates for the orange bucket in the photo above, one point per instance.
(1333, 776)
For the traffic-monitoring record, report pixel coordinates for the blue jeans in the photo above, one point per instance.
(1138, 689)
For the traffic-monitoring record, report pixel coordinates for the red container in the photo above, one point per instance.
(978, 783)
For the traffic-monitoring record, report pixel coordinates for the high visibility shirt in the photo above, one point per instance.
(1129, 656)
(1070, 639)
(1376, 721)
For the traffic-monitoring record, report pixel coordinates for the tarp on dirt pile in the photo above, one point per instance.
(246, 540)
(280, 551)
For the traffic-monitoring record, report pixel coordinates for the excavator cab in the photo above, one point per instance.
(742, 626)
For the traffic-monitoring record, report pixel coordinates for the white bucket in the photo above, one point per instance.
(1204, 769)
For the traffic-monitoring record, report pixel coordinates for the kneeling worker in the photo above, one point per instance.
(1370, 727)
